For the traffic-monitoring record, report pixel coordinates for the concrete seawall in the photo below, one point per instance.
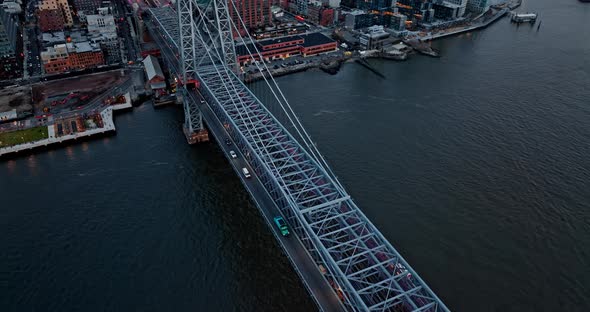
(481, 25)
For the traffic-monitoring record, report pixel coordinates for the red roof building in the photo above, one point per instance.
(280, 48)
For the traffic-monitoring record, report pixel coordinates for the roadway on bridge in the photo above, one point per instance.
(304, 265)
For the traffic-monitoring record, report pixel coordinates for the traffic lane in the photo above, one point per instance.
(300, 258)
(316, 282)
(320, 288)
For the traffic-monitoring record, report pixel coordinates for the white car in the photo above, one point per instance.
(233, 154)
(246, 172)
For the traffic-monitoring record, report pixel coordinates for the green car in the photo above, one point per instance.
(282, 225)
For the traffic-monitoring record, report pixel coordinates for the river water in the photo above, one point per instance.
(475, 166)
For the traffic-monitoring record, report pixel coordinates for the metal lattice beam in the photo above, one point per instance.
(365, 268)
(224, 28)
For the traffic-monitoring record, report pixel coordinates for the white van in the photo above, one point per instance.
(246, 172)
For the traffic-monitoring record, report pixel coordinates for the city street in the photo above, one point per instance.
(32, 48)
(123, 17)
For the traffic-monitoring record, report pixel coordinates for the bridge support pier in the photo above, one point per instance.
(194, 137)
(193, 128)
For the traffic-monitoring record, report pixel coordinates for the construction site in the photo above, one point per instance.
(15, 103)
(71, 94)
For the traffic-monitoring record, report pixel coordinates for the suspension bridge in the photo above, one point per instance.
(341, 257)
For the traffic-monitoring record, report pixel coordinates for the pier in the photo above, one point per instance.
(370, 67)
(54, 136)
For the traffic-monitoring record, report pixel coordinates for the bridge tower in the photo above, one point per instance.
(225, 33)
(193, 127)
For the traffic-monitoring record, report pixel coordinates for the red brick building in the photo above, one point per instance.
(320, 14)
(67, 57)
(83, 60)
(56, 66)
(54, 15)
(254, 14)
(51, 20)
(279, 48)
(327, 16)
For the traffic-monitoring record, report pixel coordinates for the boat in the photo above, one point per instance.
(524, 17)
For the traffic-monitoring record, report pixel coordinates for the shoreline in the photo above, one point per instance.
(501, 13)
(417, 45)
(330, 66)
(52, 141)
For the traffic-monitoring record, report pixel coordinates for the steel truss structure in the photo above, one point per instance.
(363, 268)
(172, 24)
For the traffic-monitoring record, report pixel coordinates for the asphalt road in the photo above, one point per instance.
(33, 51)
(304, 265)
(124, 31)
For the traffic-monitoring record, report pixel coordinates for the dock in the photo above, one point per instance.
(370, 67)
(165, 101)
(123, 106)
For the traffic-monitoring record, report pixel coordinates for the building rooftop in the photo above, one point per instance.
(357, 12)
(54, 37)
(283, 26)
(82, 47)
(11, 7)
(152, 67)
(77, 36)
(313, 39)
(242, 50)
(449, 5)
(54, 51)
(309, 40)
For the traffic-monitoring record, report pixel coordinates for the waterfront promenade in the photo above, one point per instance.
(108, 126)
(458, 30)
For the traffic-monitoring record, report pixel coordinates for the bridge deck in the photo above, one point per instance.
(359, 263)
(304, 265)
